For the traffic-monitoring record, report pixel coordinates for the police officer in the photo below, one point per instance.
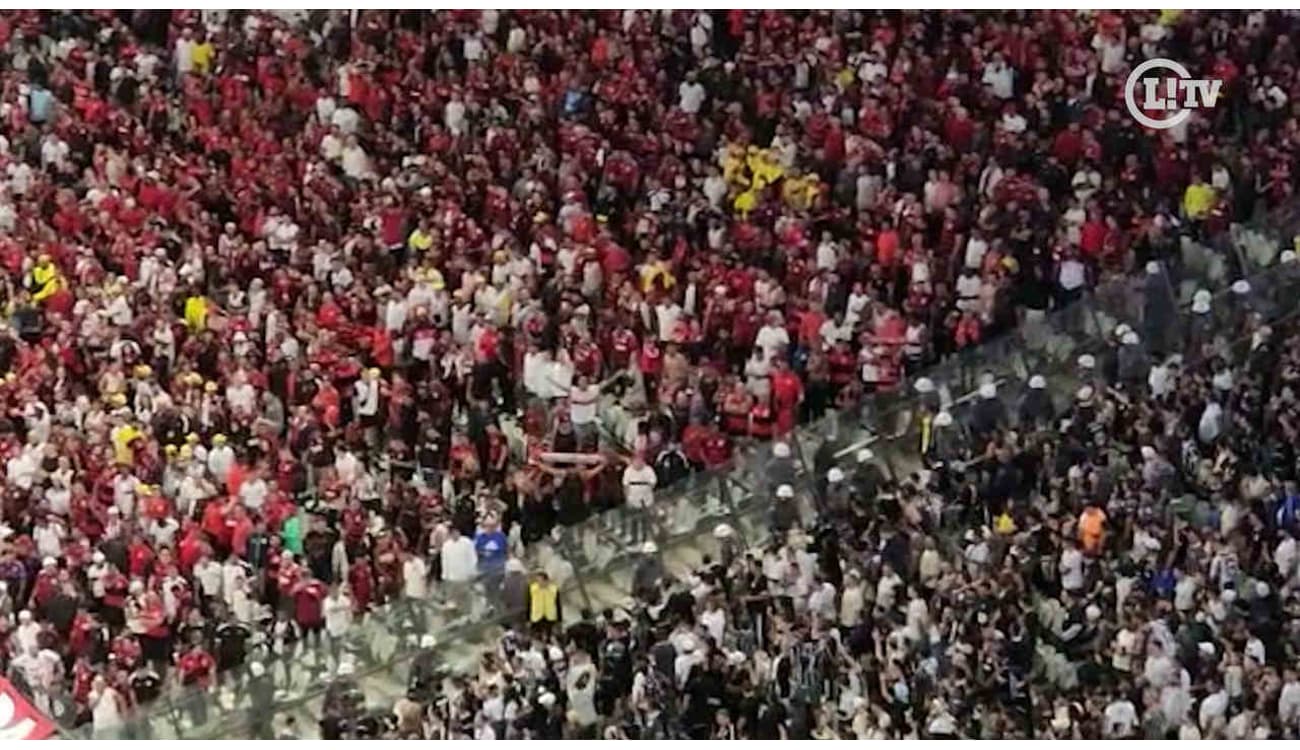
(1036, 409)
(867, 476)
(988, 415)
(424, 676)
(1133, 361)
(781, 469)
(785, 511)
(261, 694)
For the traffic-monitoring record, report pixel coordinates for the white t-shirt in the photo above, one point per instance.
(690, 97)
(345, 119)
(1072, 275)
(715, 621)
(667, 317)
(356, 163)
(338, 614)
(253, 493)
(583, 403)
(1072, 569)
(1111, 52)
(1122, 650)
(331, 147)
(414, 573)
(184, 55)
(639, 486)
(773, 340)
(1000, 79)
(1284, 556)
(1288, 703)
(453, 116)
(1214, 706)
(1121, 719)
(473, 48)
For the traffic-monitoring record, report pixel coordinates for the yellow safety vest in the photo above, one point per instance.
(926, 433)
(543, 602)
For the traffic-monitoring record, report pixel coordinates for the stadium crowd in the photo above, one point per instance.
(1129, 570)
(281, 288)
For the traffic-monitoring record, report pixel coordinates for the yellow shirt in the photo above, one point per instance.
(733, 166)
(435, 279)
(656, 271)
(1198, 200)
(745, 202)
(799, 192)
(196, 313)
(419, 240)
(122, 437)
(764, 169)
(505, 303)
(47, 278)
(201, 55)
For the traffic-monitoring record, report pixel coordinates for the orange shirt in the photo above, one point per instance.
(235, 477)
(1091, 527)
(887, 247)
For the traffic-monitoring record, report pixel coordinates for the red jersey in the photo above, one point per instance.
(139, 559)
(622, 343)
(307, 604)
(196, 667)
(115, 589)
(651, 359)
(288, 576)
(362, 583)
(126, 650)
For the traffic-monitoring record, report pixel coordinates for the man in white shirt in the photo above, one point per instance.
(355, 161)
(453, 115)
(690, 95)
(1110, 48)
(666, 316)
(1119, 719)
(415, 585)
(1072, 568)
(48, 535)
(828, 253)
(772, 338)
(999, 77)
(365, 397)
(1213, 708)
(472, 47)
(253, 492)
(459, 566)
(1288, 700)
(584, 401)
(210, 575)
(220, 458)
(639, 482)
(338, 616)
(345, 120)
(1285, 555)
(1072, 275)
(184, 57)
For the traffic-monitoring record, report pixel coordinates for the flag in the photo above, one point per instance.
(19, 719)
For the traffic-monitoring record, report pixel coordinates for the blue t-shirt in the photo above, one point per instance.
(1286, 510)
(1163, 582)
(574, 101)
(491, 549)
(40, 103)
